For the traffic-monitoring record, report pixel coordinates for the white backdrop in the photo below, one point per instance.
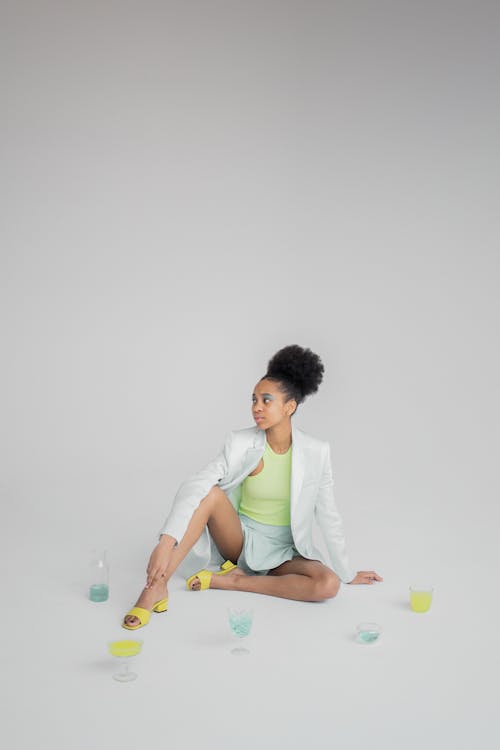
(189, 186)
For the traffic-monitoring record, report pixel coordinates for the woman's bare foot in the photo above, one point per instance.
(147, 600)
(219, 581)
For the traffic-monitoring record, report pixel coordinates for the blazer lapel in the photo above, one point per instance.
(297, 469)
(252, 456)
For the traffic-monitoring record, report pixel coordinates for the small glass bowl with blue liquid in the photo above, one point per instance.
(368, 633)
(240, 623)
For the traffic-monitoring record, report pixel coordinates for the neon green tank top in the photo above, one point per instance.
(266, 496)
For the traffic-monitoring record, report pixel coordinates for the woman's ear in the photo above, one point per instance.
(291, 407)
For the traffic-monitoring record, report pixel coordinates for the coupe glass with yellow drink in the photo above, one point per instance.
(124, 651)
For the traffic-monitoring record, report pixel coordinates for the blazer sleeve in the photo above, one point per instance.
(193, 490)
(330, 523)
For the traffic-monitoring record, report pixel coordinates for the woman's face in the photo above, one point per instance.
(269, 407)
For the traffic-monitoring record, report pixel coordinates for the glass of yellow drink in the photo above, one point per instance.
(421, 598)
(124, 651)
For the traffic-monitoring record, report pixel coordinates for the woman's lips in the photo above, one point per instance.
(258, 419)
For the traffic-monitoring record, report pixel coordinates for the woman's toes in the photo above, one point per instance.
(195, 585)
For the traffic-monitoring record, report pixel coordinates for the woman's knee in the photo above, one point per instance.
(214, 496)
(215, 501)
(327, 585)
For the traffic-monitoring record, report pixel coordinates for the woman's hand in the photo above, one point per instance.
(366, 576)
(159, 560)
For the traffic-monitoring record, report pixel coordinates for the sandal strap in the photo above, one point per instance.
(142, 614)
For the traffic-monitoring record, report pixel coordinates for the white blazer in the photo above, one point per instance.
(311, 498)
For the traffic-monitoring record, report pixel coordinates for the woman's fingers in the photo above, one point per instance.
(156, 575)
(154, 579)
(370, 576)
(150, 574)
(157, 566)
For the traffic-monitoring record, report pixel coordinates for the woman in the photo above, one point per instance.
(254, 505)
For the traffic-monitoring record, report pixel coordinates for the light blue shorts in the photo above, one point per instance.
(264, 546)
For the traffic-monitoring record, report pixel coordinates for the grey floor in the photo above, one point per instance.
(430, 681)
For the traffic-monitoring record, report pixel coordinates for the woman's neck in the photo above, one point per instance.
(279, 437)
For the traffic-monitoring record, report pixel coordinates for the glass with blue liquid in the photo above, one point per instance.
(240, 623)
(99, 577)
(368, 633)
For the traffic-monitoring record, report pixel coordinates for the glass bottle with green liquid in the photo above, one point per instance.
(99, 577)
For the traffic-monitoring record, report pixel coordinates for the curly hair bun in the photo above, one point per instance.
(297, 367)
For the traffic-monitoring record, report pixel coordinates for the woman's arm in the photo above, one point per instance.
(331, 525)
(160, 559)
(330, 522)
(186, 501)
(191, 493)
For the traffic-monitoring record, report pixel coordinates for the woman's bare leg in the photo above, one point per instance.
(299, 579)
(216, 511)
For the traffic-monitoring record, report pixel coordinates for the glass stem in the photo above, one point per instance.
(124, 667)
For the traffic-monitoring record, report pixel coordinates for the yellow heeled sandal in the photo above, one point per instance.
(144, 614)
(205, 576)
